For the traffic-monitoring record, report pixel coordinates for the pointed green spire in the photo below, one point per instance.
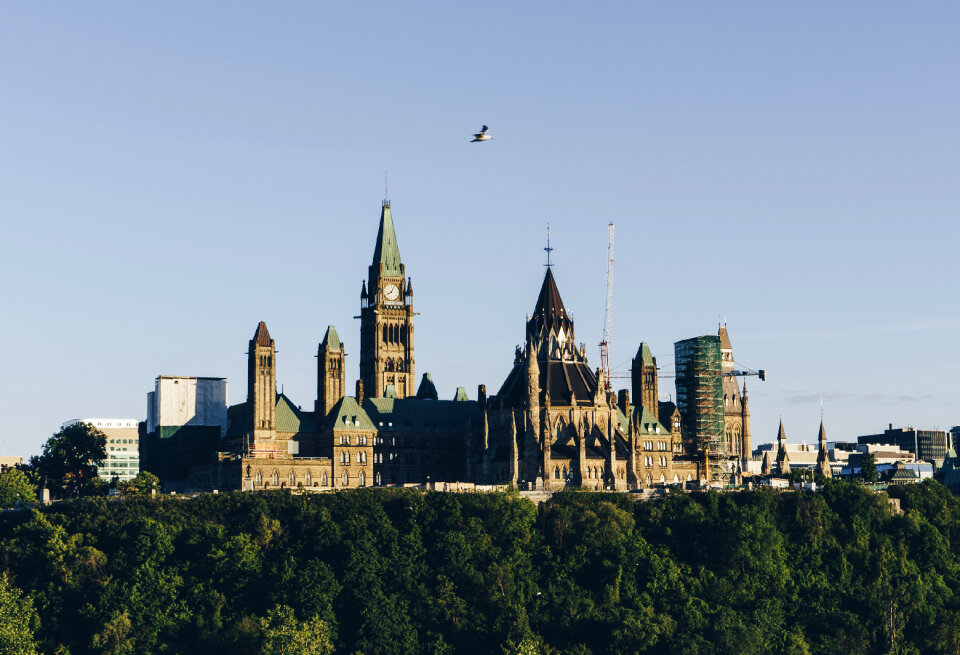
(331, 340)
(387, 253)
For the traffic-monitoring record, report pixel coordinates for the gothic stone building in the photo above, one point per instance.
(554, 422)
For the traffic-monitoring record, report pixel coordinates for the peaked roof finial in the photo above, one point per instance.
(548, 249)
(386, 194)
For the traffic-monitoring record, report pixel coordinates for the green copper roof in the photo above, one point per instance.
(644, 354)
(291, 419)
(331, 339)
(461, 395)
(348, 415)
(387, 252)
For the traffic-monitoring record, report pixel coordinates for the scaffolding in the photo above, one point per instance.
(700, 399)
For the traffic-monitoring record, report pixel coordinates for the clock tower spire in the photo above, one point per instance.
(386, 318)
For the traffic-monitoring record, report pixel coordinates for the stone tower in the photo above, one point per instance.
(823, 456)
(386, 318)
(643, 373)
(783, 461)
(261, 385)
(330, 384)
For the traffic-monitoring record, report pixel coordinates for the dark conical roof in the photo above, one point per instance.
(262, 337)
(386, 251)
(549, 309)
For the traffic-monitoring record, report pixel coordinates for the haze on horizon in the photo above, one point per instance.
(170, 175)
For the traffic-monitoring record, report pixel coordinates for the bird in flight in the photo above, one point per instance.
(482, 135)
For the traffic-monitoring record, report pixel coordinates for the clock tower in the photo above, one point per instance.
(386, 318)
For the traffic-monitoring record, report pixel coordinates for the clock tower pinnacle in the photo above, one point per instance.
(386, 318)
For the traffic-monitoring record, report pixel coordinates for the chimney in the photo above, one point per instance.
(623, 401)
(482, 395)
(359, 392)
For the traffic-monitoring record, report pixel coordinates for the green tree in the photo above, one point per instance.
(18, 620)
(68, 464)
(140, 485)
(868, 467)
(283, 634)
(14, 487)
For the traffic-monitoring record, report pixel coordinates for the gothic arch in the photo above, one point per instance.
(362, 479)
(346, 479)
(293, 478)
(258, 479)
(308, 479)
(275, 478)
(323, 479)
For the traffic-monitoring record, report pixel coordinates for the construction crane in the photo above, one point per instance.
(762, 374)
(608, 314)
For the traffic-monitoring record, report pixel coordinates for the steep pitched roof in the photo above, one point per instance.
(427, 389)
(291, 419)
(724, 338)
(262, 337)
(331, 340)
(549, 309)
(644, 354)
(347, 414)
(386, 251)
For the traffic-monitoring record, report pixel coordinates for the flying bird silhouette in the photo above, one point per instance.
(482, 135)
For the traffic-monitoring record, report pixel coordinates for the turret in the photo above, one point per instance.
(330, 368)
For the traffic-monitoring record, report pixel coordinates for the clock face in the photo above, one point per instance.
(391, 291)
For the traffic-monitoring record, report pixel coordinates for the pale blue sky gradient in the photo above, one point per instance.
(173, 173)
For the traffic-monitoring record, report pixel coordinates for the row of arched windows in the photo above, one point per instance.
(291, 480)
(394, 365)
(393, 333)
(266, 360)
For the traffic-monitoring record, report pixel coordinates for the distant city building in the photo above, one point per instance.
(123, 445)
(186, 418)
(927, 445)
(10, 461)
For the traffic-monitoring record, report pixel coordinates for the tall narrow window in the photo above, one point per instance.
(346, 479)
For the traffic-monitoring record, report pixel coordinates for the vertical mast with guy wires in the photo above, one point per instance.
(608, 313)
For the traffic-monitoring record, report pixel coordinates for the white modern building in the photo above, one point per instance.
(123, 446)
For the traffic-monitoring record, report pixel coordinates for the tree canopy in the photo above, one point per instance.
(16, 487)
(400, 571)
(69, 461)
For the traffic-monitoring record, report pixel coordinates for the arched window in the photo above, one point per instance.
(307, 479)
(378, 480)
(362, 479)
(259, 478)
(346, 479)
(663, 479)
(688, 477)
(323, 479)
(399, 366)
(275, 478)
(676, 479)
(564, 472)
(293, 479)
(363, 457)
(386, 337)
(556, 472)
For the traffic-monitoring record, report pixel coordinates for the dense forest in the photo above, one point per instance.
(401, 571)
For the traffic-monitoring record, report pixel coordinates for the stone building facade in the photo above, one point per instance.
(554, 423)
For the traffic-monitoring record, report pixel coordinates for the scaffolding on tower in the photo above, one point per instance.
(608, 314)
(700, 399)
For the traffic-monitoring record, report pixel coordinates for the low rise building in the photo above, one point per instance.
(927, 445)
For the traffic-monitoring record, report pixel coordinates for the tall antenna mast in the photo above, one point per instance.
(608, 313)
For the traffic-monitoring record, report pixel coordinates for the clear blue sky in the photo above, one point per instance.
(173, 173)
